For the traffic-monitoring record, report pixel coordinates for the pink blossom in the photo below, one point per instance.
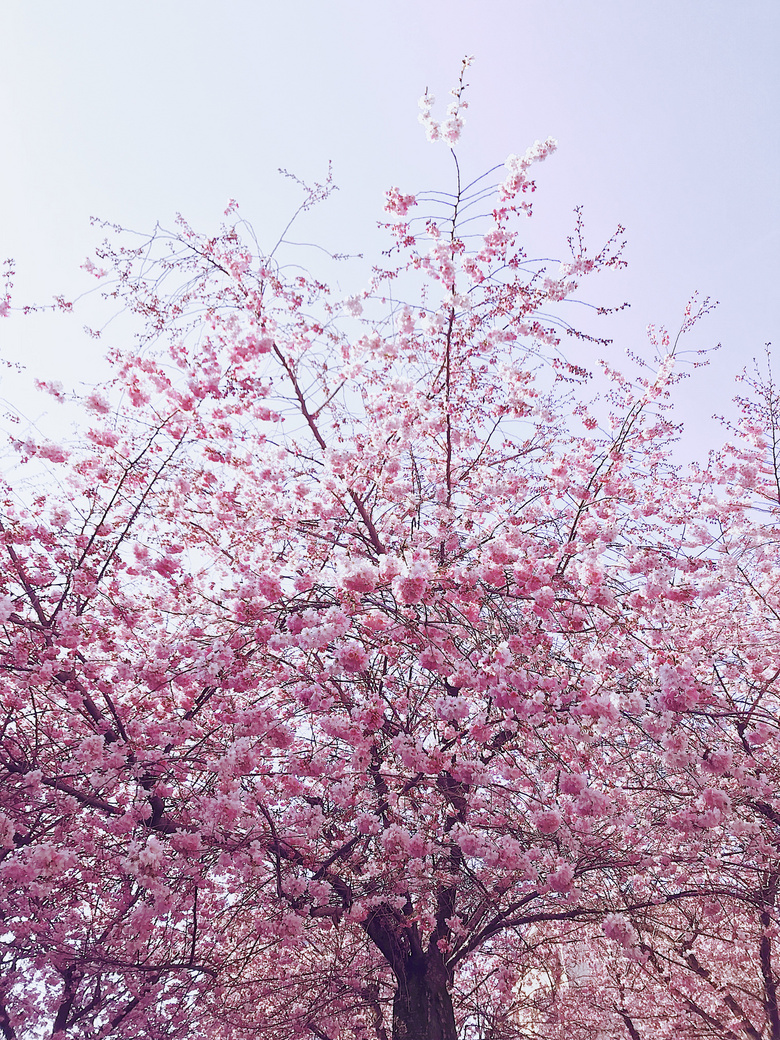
(719, 761)
(51, 386)
(97, 402)
(572, 783)
(411, 588)
(592, 803)
(398, 203)
(620, 930)
(562, 878)
(411, 584)
(431, 658)
(352, 656)
(547, 821)
(470, 844)
(714, 798)
(151, 856)
(358, 576)
(760, 734)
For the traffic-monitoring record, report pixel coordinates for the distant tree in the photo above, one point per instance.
(694, 952)
(360, 679)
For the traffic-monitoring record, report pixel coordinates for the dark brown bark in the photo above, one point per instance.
(422, 1007)
(769, 895)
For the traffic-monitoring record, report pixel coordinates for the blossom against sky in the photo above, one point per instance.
(665, 114)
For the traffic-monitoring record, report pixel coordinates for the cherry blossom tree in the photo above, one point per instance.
(357, 669)
(694, 951)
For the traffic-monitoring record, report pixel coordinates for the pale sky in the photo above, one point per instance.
(666, 114)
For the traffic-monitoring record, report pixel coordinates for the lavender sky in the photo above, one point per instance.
(666, 114)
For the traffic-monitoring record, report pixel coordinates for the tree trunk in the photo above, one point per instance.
(422, 1007)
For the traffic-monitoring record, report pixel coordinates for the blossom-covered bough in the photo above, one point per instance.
(361, 680)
